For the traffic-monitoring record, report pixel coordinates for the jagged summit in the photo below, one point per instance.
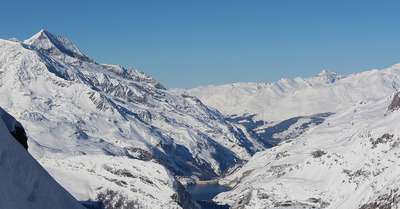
(328, 73)
(329, 76)
(78, 66)
(56, 46)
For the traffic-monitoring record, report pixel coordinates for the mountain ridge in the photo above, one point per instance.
(287, 98)
(57, 46)
(72, 107)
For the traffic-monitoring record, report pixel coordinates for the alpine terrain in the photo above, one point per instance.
(273, 112)
(349, 161)
(113, 134)
(117, 136)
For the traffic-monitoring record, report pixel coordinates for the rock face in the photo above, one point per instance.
(395, 105)
(349, 161)
(15, 128)
(24, 183)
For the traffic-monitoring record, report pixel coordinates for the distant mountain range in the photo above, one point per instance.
(288, 98)
(273, 112)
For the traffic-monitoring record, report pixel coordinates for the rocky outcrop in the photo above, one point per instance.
(395, 103)
(20, 136)
(182, 197)
(15, 128)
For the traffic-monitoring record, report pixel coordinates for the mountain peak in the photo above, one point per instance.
(42, 34)
(55, 46)
(327, 73)
(329, 76)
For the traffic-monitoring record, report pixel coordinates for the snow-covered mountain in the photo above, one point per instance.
(24, 183)
(90, 119)
(288, 98)
(349, 161)
(273, 112)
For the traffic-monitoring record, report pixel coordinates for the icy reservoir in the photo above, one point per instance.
(206, 191)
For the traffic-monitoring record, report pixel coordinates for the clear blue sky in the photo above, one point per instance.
(190, 43)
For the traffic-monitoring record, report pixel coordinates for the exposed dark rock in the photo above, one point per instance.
(243, 201)
(317, 154)
(20, 136)
(182, 197)
(280, 155)
(138, 153)
(395, 105)
(15, 128)
(92, 205)
(115, 200)
(286, 203)
(385, 201)
(385, 138)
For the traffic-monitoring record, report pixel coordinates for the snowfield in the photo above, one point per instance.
(349, 161)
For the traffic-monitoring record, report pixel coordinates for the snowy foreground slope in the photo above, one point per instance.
(92, 125)
(120, 182)
(349, 161)
(24, 183)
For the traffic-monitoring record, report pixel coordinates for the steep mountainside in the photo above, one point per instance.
(74, 107)
(349, 161)
(24, 183)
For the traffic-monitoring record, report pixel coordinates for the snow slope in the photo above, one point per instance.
(349, 161)
(24, 183)
(119, 182)
(288, 98)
